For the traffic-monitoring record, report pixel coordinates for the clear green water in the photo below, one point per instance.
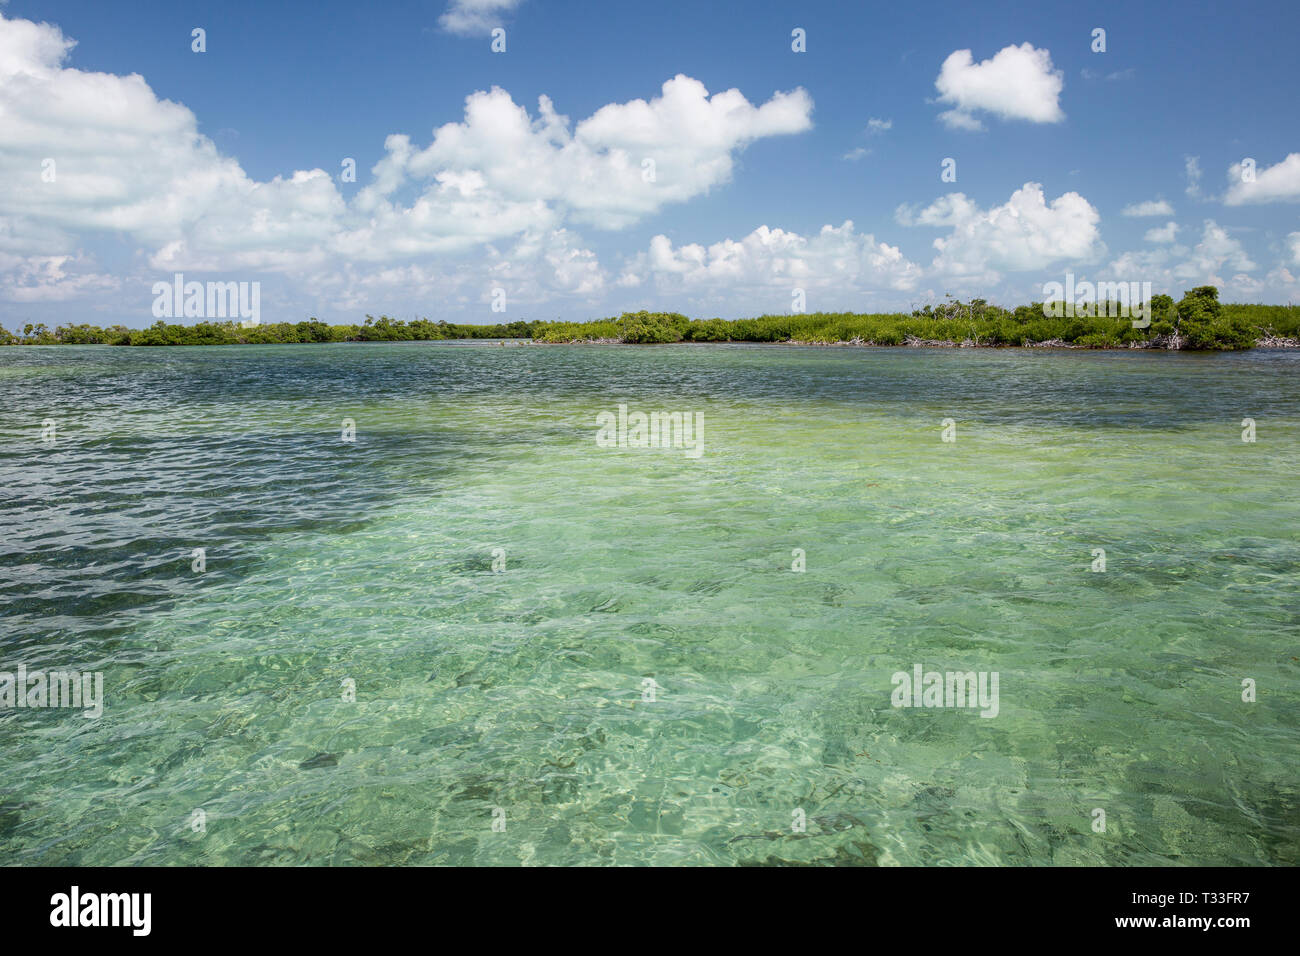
(522, 690)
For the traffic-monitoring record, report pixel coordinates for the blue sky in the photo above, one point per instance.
(225, 165)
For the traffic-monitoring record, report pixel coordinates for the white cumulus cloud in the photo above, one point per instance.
(1017, 83)
(1024, 233)
(124, 163)
(501, 171)
(1217, 259)
(1217, 252)
(539, 266)
(768, 264)
(1280, 183)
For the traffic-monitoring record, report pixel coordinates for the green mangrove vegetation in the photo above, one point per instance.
(1197, 321)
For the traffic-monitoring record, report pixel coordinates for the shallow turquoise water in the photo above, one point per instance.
(518, 695)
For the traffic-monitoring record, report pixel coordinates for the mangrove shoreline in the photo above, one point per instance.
(1197, 322)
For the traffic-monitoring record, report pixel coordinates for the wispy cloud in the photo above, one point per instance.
(468, 17)
(1192, 167)
(1152, 207)
(1088, 74)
